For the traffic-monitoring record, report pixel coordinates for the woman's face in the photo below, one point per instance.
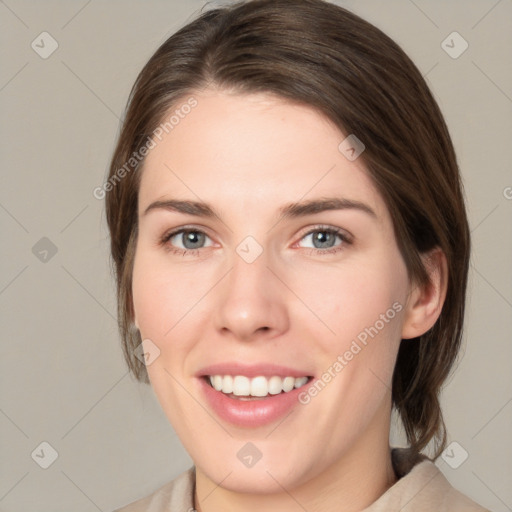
(251, 292)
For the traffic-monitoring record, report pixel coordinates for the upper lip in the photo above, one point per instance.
(252, 370)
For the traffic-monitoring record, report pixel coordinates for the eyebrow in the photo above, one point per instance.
(291, 210)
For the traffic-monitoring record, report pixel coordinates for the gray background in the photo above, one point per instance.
(63, 379)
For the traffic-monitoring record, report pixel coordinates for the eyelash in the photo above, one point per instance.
(346, 240)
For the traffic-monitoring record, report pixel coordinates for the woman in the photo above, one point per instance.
(291, 249)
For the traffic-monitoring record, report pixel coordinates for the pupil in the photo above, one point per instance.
(322, 236)
(194, 238)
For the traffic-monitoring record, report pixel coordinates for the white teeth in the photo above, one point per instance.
(275, 385)
(217, 382)
(227, 384)
(241, 386)
(260, 386)
(288, 384)
(300, 382)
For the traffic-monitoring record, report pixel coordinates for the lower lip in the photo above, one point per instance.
(251, 413)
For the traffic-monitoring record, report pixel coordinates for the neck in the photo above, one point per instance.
(354, 481)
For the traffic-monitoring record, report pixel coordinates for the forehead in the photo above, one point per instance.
(252, 151)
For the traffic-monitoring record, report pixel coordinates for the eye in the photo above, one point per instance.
(324, 240)
(190, 239)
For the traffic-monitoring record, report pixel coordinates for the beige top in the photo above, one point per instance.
(421, 487)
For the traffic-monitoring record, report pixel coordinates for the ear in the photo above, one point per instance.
(425, 303)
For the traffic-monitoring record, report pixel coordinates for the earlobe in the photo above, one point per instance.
(134, 321)
(426, 302)
(134, 316)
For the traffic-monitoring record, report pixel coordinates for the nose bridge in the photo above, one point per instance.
(249, 269)
(251, 299)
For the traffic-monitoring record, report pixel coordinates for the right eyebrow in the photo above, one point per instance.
(198, 209)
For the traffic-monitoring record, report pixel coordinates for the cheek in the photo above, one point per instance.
(161, 294)
(161, 299)
(364, 306)
(352, 298)
(170, 310)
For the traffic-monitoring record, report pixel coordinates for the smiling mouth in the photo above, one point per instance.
(240, 387)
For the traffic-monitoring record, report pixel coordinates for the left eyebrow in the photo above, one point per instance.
(314, 206)
(291, 210)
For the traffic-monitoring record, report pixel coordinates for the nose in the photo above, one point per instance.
(251, 302)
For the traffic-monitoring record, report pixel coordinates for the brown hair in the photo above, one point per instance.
(318, 54)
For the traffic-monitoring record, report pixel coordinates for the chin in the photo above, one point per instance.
(260, 479)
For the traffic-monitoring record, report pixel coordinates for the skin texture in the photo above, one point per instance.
(248, 155)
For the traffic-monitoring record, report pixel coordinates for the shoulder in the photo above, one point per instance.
(438, 493)
(175, 495)
(422, 487)
(457, 501)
